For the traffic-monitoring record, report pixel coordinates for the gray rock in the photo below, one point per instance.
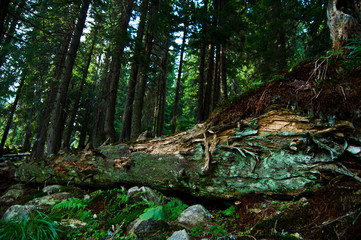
(14, 193)
(146, 194)
(51, 189)
(17, 212)
(50, 200)
(179, 235)
(142, 228)
(194, 216)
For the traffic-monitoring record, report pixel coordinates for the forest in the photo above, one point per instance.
(164, 119)
(74, 72)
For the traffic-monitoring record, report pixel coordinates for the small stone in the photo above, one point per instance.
(194, 216)
(16, 212)
(179, 235)
(142, 228)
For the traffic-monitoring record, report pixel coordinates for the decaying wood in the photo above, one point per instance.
(208, 149)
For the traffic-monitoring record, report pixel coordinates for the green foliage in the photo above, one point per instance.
(174, 208)
(354, 56)
(73, 207)
(156, 213)
(38, 226)
(197, 231)
(229, 211)
(218, 231)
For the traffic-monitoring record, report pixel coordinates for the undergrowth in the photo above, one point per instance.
(38, 226)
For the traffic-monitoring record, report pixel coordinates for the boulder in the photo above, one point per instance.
(17, 212)
(14, 193)
(179, 235)
(142, 228)
(194, 216)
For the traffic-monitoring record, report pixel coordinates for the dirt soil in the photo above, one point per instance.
(318, 87)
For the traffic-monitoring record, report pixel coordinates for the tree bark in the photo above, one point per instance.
(344, 21)
(128, 108)
(115, 71)
(179, 79)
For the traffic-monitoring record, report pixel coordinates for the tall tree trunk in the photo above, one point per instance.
(27, 139)
(115, 71)
(224, 90)
(200, 113)
(217, 78)
(159, 112)
(39, 144)
(344, 21)
(69, 129)
(128, 108)
(55, 131)
(208, 86)
(11, 116)
(84, 127)
(140, 88)
(179, 78)
(202, 58)
(98, 120)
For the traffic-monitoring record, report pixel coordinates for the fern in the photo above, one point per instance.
(73, 207)
(38, 226)
(174, 208)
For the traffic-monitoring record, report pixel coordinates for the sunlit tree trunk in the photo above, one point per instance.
(115, 71)
(217, 78)
(223, 72)
(344, 21)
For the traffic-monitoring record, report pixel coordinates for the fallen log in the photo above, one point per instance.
(282, 156)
